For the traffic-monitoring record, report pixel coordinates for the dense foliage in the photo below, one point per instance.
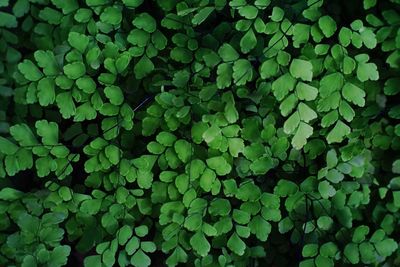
(199, 133)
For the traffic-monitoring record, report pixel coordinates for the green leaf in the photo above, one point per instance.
(124, 234)
(59, 256)
(369, 3)
(288, 104)
(369, 39)
(346, 111)
(66, 105)
(220, 165)
(7, 147)
(282, 86)
(291, 123)
(143, 67)
(306, 92)
(228, 53)
(220, 207)
(301, 69)
(260, 227)
(268, 69)
(148, 246)
(202, 15)
(240, 216)
(113, 154)
(92, 261)
(277, 14)
(338, 133)
(66, 6)
(23, 135)
(211, 133)
(114, 95)
(330, 118)
(285, 225)
(196, 168)
(306, 113)
(46, 91)
(179, 255)
(48, 131)
(200, 244)
(224, 73)
(367, 71)
(242, 72)
(248, 41)
(386, 247)
(29, 70)
(10, 194)
(248, 12)
(140, 259)
(395, 166)
(145, 22)
(47, 61)
(351, 253)
(367, 252)
(285, 188)
(29, 260)
(74, 70)
(354, 94)
(345, 36)
(236, 146)
(310, 250)
(236, 244)
(181, 54)
(7, 20)
(86, 84)
(301, 34)
(325, 222)
(326, 189)
(111, 15)
(207, 179)
(141, 231)
(396, 198)
(182, 183)
(132, 245)
(262, 165)
(78, 41)
(248, 192)
(302, 134)
(327, 26)
(360, 233)
(132, 3)
(166, 138)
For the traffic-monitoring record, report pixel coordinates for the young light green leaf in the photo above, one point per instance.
(338, 133)
(306, 92)
(301, 69)
(354, 94)
(302, 134)
(306, 113)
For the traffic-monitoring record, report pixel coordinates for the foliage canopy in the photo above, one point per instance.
(199, 133)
